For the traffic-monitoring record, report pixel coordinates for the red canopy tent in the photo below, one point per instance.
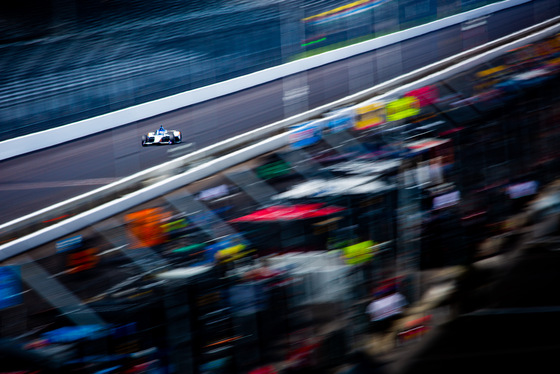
(290, 212)
(283, 228)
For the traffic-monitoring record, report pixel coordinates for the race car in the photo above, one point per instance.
(162, 136)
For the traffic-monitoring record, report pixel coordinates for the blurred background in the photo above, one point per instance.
(64, 61)
(411, 234)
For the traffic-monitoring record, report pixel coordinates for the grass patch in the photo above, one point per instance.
(332, 47)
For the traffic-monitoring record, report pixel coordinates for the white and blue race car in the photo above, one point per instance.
(162, 136)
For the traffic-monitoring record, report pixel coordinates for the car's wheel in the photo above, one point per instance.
(171, 139)
(179, 139)
(144, 140)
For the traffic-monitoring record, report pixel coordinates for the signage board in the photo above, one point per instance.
(342, 120)
(273, 169)
(426, 95)
(370, 115)
(305, 134)
(213, 193)
(402, 108)
(69, 243)
(522, 189)
(10, 286)
(359, 253)
(446, 200)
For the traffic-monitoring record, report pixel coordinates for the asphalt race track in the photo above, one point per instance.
(73, 168)
(34, 181)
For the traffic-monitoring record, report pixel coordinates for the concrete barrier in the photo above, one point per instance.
(111, 208)
(48, 138)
